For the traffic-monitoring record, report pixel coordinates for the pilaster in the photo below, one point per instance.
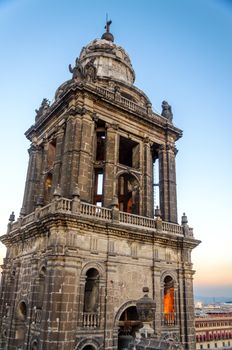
(147, 197)
(167, 182)
(58, 158)
(110, 164)
(32, 180)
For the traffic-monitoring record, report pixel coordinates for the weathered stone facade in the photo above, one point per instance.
(87, 240)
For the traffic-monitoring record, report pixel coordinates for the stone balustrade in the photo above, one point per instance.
(169, 319)
(91, 320)
(137, 220)
(76, 207)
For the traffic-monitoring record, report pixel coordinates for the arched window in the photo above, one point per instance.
(34, 345)
(169, 301)
(91, 298)
(51, 154)
(40, 288)
(47, 188)
(91, 309)
(128, 194)
(22, 311)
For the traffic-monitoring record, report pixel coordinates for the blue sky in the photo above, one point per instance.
(181, 51)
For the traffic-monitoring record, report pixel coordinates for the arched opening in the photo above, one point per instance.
(91, 299)
(128, 325)
(34, 345)
(22, 311)
(89, 347)
(47, 188)
(128, 194)
(40, 288)
(51, 154)
(169, 301)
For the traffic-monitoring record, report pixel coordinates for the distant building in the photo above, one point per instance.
(88, 238)
(214, 331)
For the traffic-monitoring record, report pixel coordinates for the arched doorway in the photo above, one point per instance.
(128, 325)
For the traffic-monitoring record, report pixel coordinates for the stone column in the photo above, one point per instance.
(157, 297)
(109, 305)
(32, 180)
(110, 164)
(58, 158)
(66, 168)
(167, 183)
(188, 300)
(60, 310)
(171, 158)
(147, 198)
(85, 169)
(42, 174)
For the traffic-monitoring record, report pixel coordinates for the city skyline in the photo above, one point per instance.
(180, 53)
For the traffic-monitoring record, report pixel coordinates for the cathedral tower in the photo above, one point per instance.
(88, 238)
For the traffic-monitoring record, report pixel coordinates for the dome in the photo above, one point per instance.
(107, 61)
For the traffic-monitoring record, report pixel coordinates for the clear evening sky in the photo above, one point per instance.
(181, 51)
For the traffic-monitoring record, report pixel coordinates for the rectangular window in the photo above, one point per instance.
(99, 183)
(98, 187)
(128, 152)
(156, 195)
(101, 145)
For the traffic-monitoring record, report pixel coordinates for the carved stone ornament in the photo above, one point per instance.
(90, 71)
(77, 71)
(167, 111)
(45, 104)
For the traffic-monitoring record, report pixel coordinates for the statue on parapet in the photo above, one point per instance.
(167, 111)
(77, 70)
(45, 104)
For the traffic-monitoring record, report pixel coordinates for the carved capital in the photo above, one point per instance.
(95, 117)
(33, 149)
(161, 148)
(77, 110)
(172, 148)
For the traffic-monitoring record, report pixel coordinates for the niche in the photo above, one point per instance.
(48, 188)
(91, 297)
(51, 154)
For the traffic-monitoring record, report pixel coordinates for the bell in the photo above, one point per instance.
(124, 341)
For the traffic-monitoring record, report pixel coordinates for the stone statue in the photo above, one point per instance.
(90, 72)
(42, 109)
(167, 111)
(77, 70)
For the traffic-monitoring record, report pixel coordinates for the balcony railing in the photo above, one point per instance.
(169, 319)
(81, 209)
(91, 320)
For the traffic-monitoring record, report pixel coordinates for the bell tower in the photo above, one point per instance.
(90, 235)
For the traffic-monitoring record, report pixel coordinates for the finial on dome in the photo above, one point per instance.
(107, 35)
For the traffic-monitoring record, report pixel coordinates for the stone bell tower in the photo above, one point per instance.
(88, 238)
